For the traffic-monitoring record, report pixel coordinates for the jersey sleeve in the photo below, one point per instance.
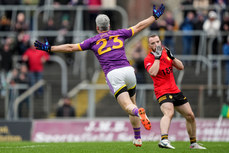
(148, 63)
(85, 45)
(127, 33)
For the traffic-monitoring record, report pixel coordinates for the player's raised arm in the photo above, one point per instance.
(147, 22)
(65, 48)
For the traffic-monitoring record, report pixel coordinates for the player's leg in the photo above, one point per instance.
(167, 109)
(186, 111)
(132, 110)
(127, 105)
(168, 112)
(136, 124)
(123, 83)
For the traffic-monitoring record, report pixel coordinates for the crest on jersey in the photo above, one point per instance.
(168, 58)
(170, 96)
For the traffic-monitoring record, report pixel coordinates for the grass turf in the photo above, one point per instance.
(107, 147)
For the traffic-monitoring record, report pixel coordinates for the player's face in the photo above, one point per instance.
(153, 42)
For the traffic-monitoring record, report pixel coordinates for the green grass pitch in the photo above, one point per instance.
(107, 147)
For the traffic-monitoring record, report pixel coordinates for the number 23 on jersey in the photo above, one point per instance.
(103, 48)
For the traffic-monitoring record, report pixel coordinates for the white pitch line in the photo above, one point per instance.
(32, 146)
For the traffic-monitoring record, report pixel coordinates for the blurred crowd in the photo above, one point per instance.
(29, 69)
(20, 43)
(210, 21)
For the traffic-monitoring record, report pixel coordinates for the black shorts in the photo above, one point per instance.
(177, 99)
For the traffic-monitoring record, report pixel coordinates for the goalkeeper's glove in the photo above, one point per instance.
(43, 46)
(170, 55)
(157, 53)
(158, 12)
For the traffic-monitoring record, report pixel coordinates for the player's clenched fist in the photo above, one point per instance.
(43, 46)
(170, 55)
(158, 12)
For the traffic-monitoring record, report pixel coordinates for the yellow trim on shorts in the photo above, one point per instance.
(132, 87)
(120, 89)
(79, 47)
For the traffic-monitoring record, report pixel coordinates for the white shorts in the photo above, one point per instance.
(121, 80)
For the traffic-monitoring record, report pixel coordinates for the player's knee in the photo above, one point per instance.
(129, 108)
(169, 114)
(190, 117)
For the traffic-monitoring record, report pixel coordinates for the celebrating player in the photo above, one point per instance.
(108, 47)
(159, 63)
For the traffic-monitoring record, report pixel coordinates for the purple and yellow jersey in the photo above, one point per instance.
(109, 48)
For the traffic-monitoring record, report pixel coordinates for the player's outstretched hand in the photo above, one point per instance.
(43, 46)
(158, 12)
(170, 55)
(157, 53)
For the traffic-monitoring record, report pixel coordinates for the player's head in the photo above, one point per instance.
(102, 22)
(154, 41)
(66, 100)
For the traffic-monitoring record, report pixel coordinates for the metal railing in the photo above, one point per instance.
(63, 66)
(11, 92)
(30, 94)
(141, 96)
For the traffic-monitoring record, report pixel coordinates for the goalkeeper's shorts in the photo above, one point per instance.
(177, 99)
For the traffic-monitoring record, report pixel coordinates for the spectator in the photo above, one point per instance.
(212, 26)
(6, 53)
(138, 55)
(226, 52)
(36, 60)
(170, 25)
(23, 78)
(22, 43)
(198, 25)
(160, 26)
(63, 38)
(187, 27)
(225, 26)
(184, 4)
(13, 76)
(21, 24)
(6, 62)
(50, 27)
(9, 2)
(66, 110)
(63, 31)
(92, 14)
(4, 23)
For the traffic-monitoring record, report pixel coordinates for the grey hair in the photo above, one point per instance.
(103, 22)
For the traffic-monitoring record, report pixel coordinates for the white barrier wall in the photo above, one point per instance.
(117, 129)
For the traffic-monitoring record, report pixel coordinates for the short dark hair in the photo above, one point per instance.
(153, 35)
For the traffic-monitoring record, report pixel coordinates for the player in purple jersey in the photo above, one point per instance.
(108, 47)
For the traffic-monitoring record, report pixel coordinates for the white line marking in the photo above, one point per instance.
(32, 146)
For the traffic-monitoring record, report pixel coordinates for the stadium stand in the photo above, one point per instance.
(196, 82)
